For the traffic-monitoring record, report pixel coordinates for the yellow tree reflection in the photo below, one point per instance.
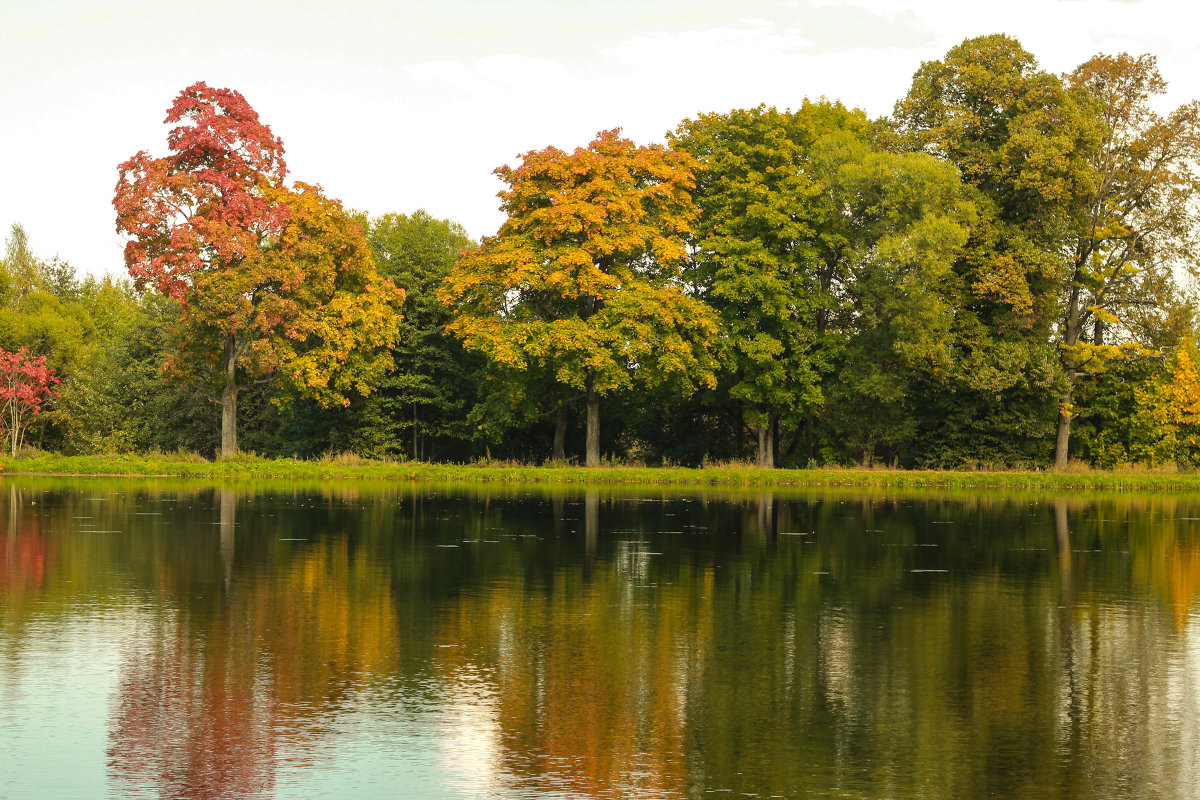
(222, 689)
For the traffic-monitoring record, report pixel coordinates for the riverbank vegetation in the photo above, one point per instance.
(1000, 273)
(350, 466)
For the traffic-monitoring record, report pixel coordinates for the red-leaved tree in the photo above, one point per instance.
(202, 208)
(277, 284)
(25, 385)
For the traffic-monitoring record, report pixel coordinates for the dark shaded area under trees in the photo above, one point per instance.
(999, 274)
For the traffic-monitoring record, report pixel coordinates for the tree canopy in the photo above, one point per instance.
(584, 278)
(1001, 272)
(276, 284)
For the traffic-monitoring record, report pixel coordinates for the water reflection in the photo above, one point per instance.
(322, 641)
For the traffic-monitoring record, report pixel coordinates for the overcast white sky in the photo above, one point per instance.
(395, 106)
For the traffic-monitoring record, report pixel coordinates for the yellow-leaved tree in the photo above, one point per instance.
(1166, 424)
(583, 281)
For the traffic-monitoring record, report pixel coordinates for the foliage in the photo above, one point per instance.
(1014, 130)
(907, 219)
(26, 384)
(583, 278)
(276, 284)
(1165, 426)
(307, 310)
(204, 207)
(424, 399)
(1135, 225)
(762, 250)
(116, 399)
(1026, 141)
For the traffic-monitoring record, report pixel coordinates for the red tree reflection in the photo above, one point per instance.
(193, 719)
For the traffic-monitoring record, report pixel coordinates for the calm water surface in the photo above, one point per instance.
(177, 640)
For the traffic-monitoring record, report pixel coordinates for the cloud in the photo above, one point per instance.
(832, 27)
(490, 74)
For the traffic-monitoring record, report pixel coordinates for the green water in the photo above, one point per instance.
(165, 639)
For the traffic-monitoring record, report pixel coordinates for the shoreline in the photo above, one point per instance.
(349, 468)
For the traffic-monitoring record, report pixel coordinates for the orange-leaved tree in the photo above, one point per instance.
(276, 284)
(584, 278)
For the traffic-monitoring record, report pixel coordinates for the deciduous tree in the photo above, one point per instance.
(1023, 139)
(905, 219)
(25, 386)
(763, 254)
(1134, 225)
(584, 278)
(279, 281)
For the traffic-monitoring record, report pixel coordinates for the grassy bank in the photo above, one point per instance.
(354, 468)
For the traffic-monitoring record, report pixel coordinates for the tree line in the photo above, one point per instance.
(999, 273)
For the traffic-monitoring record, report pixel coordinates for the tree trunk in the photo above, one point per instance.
(560, 435)
(767, 441)
(415, 458)
(772, 439)
(229, 393)
(1064, 433)
(229, 445)
(592, 458)
(1073, 327)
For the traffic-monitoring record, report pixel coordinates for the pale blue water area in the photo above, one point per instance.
(55, 693)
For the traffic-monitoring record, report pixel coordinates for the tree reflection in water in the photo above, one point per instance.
(508, 644)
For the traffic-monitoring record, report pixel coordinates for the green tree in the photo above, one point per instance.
(116, 398)
(23, 269)
(584, 278)
(1024, 140)
(1134, 225)
(767, 255)
(41, 312)
(906, 219)
(425, 396)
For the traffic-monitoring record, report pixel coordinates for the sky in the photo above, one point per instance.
(411, 104)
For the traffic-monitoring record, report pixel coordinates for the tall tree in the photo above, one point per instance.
(1024, 140)
(761, 254)
(21, 265)
(425, 397)
(906, 219)
(1135, 223)
(280, 281)
(584, 278)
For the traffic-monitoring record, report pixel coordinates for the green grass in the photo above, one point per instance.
(339, 467)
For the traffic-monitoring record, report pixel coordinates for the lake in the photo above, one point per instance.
(175, 639)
